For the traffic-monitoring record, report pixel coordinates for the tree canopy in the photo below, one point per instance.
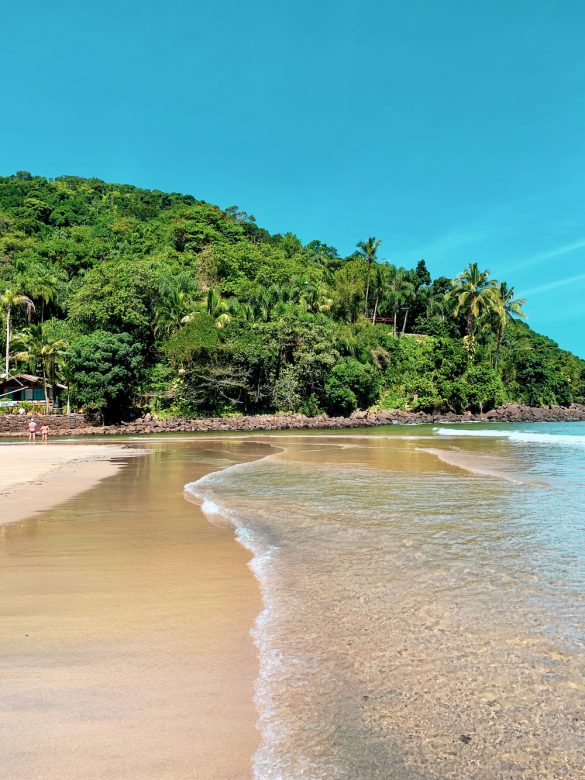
(158, 301)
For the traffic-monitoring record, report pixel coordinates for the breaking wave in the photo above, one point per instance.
(521, 437)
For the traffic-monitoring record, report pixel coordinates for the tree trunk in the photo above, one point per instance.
(368, 287)
(7, 363)
(404, 322)
(375, 309)
(499, 337)
(54, 384)
(45, 390)
(395, 321)
(471, 317)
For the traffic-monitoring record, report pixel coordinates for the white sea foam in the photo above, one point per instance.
(517, 436)
(210, 508)
(371, 587)
(269, 654)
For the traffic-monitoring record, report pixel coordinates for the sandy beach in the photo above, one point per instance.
(36, 477)
(125, 617)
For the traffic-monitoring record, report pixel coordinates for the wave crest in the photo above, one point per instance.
(522, 437)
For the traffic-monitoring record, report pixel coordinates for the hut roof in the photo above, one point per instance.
(26, 379)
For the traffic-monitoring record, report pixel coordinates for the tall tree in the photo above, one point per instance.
(421, 275)
(8, 300)
(400, 292)
(474, 294)
(43, 287)
(368, 249)
(42, 351)
(378, 285)
(506, 308)
(106, 369)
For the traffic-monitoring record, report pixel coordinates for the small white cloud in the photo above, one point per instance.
(559, 251)
(554, 284)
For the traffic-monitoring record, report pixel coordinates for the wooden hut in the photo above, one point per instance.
(18, 388)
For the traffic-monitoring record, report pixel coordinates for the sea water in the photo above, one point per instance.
(424, 601)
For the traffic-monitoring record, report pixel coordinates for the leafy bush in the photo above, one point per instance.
(479, 389)
(106, 369)
(350, 385)
(311, 407)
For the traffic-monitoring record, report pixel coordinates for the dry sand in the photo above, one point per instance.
(125, 616)
(36, 477)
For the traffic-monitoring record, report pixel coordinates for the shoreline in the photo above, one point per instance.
(160, 661)
(187, 623)
(36, 478)
(16, 426)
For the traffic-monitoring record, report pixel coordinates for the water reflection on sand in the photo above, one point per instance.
(124, 642)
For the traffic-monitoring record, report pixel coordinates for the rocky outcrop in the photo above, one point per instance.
(520, 413)
(268, 422)
(17, 425)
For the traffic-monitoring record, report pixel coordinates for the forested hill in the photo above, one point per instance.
(151, 300)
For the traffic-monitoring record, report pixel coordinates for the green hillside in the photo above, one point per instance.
(145, 300)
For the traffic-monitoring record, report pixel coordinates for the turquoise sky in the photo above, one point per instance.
(453, 131)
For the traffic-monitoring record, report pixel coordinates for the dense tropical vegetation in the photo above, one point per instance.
(145, 300)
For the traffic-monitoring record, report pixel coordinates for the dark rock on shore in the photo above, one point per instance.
(269, 422)
(13, 425)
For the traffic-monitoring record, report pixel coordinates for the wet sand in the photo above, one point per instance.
(36, 477)
(125, 623)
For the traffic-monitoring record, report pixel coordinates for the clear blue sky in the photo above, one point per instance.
(453, 131)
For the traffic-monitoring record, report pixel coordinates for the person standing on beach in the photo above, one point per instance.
(32, 430)
(45, 432)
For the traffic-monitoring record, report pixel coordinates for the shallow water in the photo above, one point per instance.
(424, 601)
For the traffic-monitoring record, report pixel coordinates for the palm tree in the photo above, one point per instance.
(475, 295)
(276, 294)
(41, 349)
(378, 286)
(399, 293)
(214, 305)
(436, 306)
(42, 286)
(313, 297)
(368, 249)
(262, 304)
(65, 370)
(274, 300)
(506, 308)
(247, 313)
(8, 300)
(170, 310)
